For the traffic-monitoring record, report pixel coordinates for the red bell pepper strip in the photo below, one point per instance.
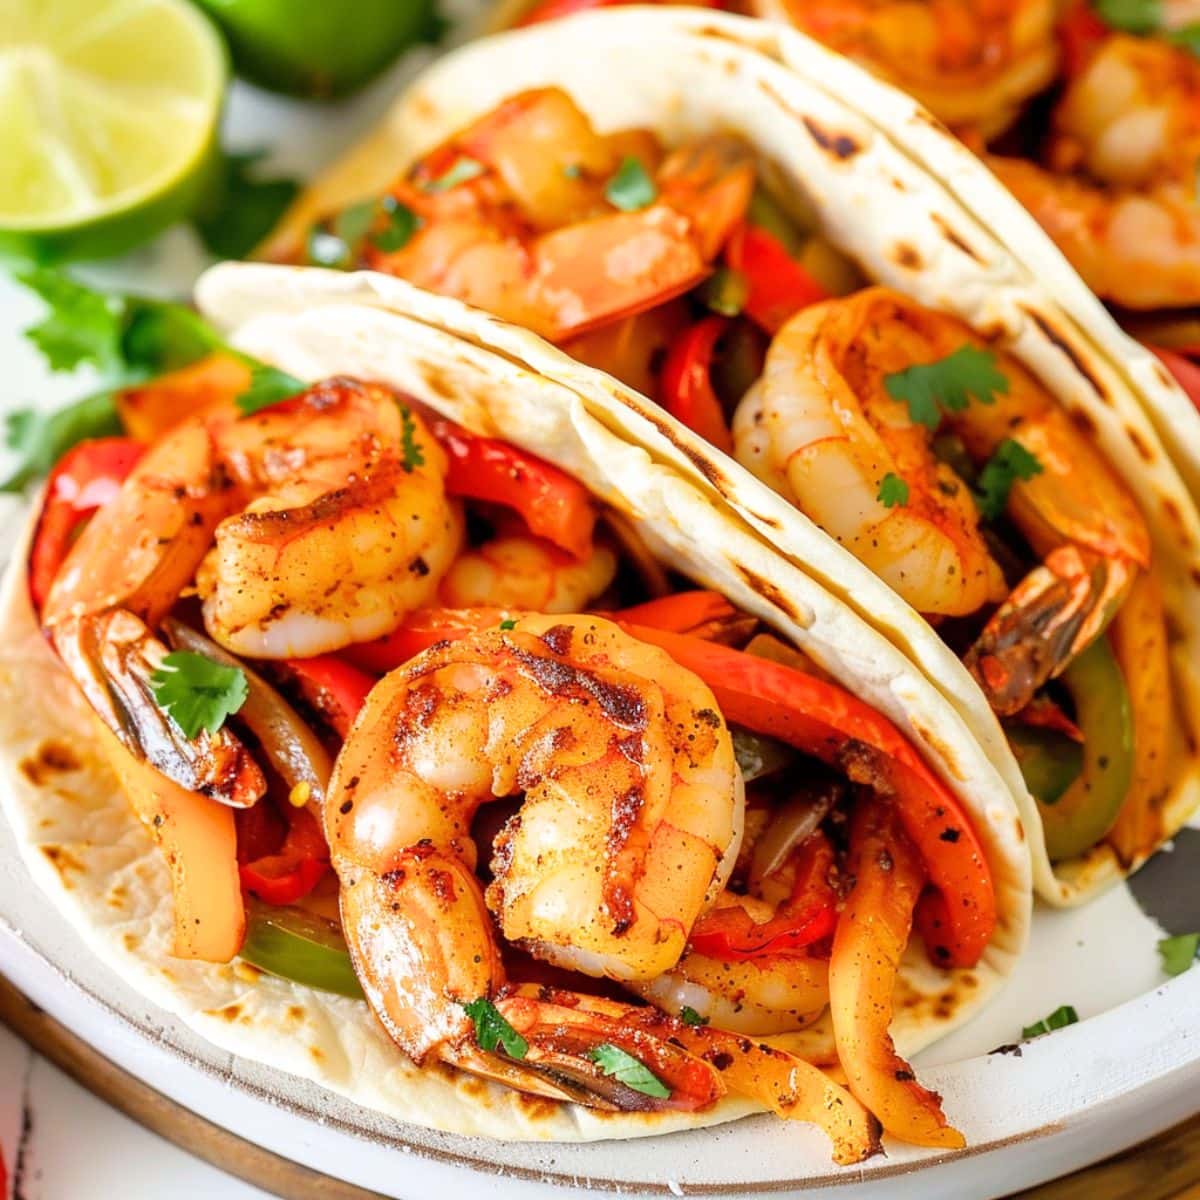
(779, 286)
(826, 721)
(685, 386)
(809, 916)
(1080, 31)
(554, 505)
(681, 611)
(290, 872)
(1186, 373)
(336, 689)
(86, 477)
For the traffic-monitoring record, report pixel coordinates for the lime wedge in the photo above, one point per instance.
(108, 122)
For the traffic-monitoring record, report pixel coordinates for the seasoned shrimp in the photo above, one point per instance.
(306, 526)
(973, 63)
(529, 234)
(630, 823)
(1118, 190)
(823, 422)
(749, 967)
(523, 572)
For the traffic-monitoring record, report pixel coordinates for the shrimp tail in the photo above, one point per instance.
(1052, 615)
(112, 656)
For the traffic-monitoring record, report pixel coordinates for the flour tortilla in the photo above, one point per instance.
(914, 208)
(84, 846)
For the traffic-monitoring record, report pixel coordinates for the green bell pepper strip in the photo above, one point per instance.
(301, 947)
(1085, 811)
(1050, 761)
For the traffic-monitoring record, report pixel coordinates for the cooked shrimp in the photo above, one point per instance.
(973, 63)
(305, 527)
(523, 572)
(748, 967)
(1118, 192)
(529, 234)
(630, 822)
(824, 422)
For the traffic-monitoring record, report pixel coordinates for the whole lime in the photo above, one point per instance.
(319, 48)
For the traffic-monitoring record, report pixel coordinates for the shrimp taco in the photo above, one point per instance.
(953, 438)
(381, 707)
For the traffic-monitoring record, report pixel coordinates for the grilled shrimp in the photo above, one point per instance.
(973, 63)
(306, 526)
(530, 235)
(822, 423)
(630, 823)
(749, 966)
(1118, 190)
(522, 572)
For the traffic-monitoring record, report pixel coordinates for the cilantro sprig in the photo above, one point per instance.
(1060, 1018)
(268, 385)
(414, 455)
(492, 1030)
(1143, 17)
(1179, 952)
(614, 1061)
(1011, 462)
(948, 384)
(630, 187)
(689, 1016)
(198, 693)
(243, 207)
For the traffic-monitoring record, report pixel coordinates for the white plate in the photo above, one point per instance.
(1129, 1070)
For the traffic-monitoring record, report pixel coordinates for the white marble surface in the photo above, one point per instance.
(59, 1142)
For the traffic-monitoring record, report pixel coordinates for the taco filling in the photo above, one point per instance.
(413, 716)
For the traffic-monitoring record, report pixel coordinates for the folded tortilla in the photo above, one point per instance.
(887, 185)
(84, 846)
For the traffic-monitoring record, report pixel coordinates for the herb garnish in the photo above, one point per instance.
(630, 188)
(689, 1016)
(948, 384)
(892, 491)
(245, 210)
(196, 692)
(414, 456)
(1060, 1018)
(614, 1061)
(1011, 462)
(1179, 952)
(268, 385)
(491, 1029)
(463, 170)
(508, 623)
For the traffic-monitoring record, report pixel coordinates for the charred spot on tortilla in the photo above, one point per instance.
(955, 238)
(1175, 516)
(768, 591)
(1145, 451)
(50, 759)
(64, 862)
(907, 256)
(1062, 341)
(1083, 421)
(841, 145)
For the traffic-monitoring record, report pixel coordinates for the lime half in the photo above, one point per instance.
(108, 122)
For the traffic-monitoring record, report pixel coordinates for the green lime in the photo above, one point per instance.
(108, 122)
(319, 48)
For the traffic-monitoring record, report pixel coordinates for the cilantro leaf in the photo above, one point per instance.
(82, 326)
(414, 456)
(689, 1016)
(631, 187)
(1010, 462)
(245, 208)
(196, 692)
(950, 383)
(892, 491)
(1179, 952)
(268, 385)
(508, 623)
(491, 1029)
(1060, 1018)
(1131, 16)
(463, 170)
(161, 336)
(612, 1060)
(1187, 38)
(402, 223)
(41, 439)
